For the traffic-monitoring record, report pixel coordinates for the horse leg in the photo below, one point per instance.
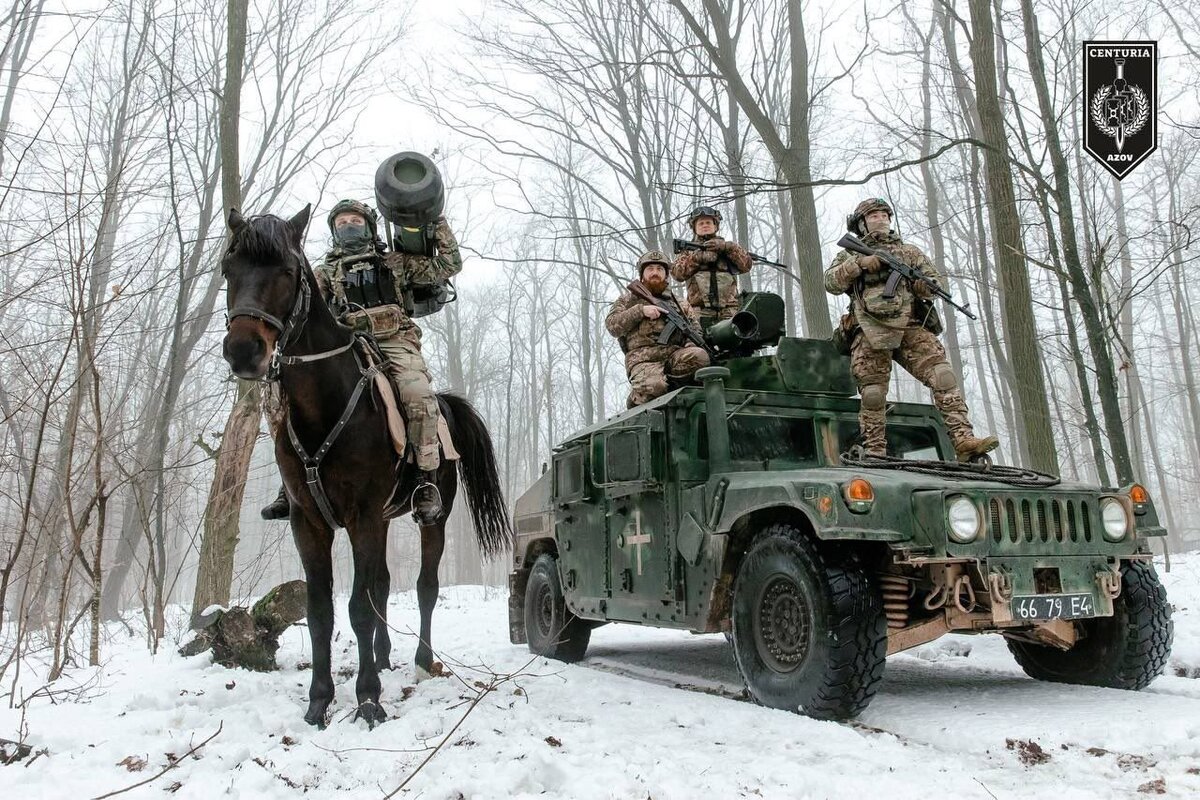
(315, 544)
(369, 543)
(383, 639)
(433, 542)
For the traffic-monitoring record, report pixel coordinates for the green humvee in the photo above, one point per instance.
(735, 507)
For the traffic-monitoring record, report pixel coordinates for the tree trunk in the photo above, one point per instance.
(214, 578)
(1080, 286)
(1029, 382)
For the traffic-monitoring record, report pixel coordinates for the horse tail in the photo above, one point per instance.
(480, 478)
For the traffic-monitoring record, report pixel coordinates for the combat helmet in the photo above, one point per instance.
(652, 257)
(703, 211)
(854, 222)
(357, 207)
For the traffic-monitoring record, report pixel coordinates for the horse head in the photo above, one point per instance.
(267, 286)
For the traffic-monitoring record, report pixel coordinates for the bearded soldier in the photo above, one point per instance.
(637, 319)
(366, 287)
(711, 273)
(903, 328)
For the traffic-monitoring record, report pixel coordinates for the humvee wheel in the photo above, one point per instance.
(553, 631)
(1124, 651)
(808, 633)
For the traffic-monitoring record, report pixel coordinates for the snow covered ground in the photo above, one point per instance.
(955, 718)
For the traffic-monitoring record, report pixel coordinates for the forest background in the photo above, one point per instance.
(574, 134)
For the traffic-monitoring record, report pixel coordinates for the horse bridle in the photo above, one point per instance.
(289, 327)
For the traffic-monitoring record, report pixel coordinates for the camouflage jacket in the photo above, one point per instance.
(406, 270)
(639, 335)
(883, 320)
(700, 277)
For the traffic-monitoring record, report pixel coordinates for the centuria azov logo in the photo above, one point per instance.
(1120, 125)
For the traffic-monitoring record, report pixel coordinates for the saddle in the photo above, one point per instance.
(386, 393)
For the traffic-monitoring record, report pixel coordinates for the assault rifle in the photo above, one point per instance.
(901, 270)
(675, 320)
(680, 245)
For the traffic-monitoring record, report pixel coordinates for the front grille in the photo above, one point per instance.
(1023, 520)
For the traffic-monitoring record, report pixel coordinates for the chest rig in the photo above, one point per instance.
(362, 279)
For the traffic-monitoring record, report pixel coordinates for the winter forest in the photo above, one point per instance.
(573, 135)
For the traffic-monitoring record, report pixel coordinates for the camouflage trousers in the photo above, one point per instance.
(923, 356)
(414, 391)
(649, 378)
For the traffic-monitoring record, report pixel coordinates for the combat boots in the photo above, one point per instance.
(970, 447)
(278, 508)
(426, 500)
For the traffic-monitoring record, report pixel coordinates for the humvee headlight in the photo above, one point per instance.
(964, 519)
(1115, 519)
(859, 494)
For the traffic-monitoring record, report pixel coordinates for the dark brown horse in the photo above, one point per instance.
(337, 461)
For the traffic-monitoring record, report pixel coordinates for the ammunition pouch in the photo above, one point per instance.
(926, 312)
(844, 333)
(381, 322)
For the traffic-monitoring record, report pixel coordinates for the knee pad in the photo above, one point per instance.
(874, 396)
(944, 378)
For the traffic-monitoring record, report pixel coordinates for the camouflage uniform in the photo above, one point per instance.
(711, 275)
(397, 335)
(890, 329)
(649, 364)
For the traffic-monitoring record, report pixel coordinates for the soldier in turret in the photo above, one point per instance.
(902, 328)
(365, 286)
(637, 324)
(711, 273)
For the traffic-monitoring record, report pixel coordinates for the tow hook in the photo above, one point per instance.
(1110, 582)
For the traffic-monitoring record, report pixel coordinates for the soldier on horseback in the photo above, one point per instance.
(366, 285)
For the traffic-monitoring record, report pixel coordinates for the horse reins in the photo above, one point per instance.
(288, 329)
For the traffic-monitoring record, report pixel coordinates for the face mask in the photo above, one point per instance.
(352, 237)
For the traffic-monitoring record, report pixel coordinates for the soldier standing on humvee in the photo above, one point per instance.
(637, 324)
(711, 273)
(365, 286)
(903, 328)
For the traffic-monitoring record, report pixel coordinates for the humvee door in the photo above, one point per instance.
(579, 529)
(629, 467)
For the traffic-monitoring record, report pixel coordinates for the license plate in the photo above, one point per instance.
(1053, 606)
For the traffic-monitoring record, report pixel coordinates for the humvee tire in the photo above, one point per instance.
(1124, 651)
(809, 634)
(553, 631)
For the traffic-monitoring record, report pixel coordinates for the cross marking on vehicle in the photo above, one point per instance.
(638, 538)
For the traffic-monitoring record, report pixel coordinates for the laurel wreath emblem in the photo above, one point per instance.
(1101, 123)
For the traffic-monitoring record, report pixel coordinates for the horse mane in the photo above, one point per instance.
(262, 238)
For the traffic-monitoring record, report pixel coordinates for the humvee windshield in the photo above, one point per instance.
(903, 441)
(776, 435)
(765, 435)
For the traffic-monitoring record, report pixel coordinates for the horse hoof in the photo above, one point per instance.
(436, 670)
(318, 714)
(384, 665)
(372, 712)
